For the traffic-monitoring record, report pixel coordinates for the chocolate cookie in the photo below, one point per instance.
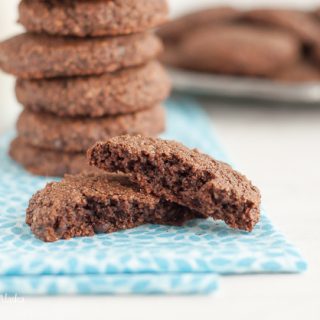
(315, 53)
(87, 204)
(45, 162)
(173, 31)
(170, 170)
(300, 23)
(303, 71)
(239, 50)
(92, 18)
(125, 91)
(37, 56)
(78, 134)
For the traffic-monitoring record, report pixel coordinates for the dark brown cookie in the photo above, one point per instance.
(173, 31)
(87, 204)
(172, 56)
(37, 56)
(43, 162)
(303, 71)
(300, 23)
(78, 134)
(125, 91)
(92, 18)
(315, 53)
(169, 169)
(239, 50)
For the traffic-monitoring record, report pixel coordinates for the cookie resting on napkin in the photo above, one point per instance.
(182, 175)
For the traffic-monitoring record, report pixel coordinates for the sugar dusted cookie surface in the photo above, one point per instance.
(38, 56)
(48, 131)
(125, 91)
(92, 18)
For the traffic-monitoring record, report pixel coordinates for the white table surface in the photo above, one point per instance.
(279, 149)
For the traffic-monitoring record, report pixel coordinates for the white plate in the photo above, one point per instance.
(230, 86)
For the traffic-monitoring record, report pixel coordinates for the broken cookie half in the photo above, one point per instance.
(181, 175)
(86, 204)
(148, 181)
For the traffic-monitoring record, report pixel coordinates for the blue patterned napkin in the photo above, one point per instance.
(148, 259)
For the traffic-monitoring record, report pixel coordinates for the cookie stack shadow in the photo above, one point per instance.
(86, 71)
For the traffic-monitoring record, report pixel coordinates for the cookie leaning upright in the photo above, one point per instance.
(86, 71)
(181, 175)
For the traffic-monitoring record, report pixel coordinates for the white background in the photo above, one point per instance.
(278, 147)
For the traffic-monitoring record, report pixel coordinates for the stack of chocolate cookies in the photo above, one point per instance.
(86, 72)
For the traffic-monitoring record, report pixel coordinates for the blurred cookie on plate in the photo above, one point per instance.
(316, 54)
(300, 23)
(303, 71)
(176, 29)
(174, 32)
(239, 50)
